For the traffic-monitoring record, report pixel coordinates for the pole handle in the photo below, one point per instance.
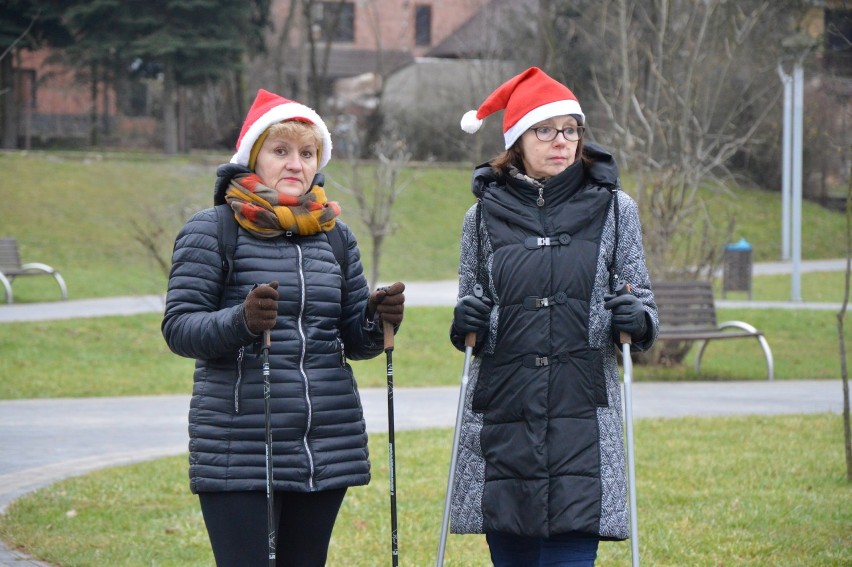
(267, 339)
(387, 329)
(470, 340)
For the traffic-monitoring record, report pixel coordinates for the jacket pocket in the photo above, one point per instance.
(482, 392)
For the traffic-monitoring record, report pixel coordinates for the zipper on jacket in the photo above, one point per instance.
(540, 200)
(303, 341)
(240, 354)
(342, 352)
(345, 367)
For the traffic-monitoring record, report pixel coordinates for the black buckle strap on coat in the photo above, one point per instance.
(531, 302)
(536, 242)
(538, 361)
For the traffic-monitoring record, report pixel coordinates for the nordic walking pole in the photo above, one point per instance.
(626, 339)
(387, 329)
(267, 419)
(469, 343)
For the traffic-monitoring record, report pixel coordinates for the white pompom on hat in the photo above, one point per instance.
(268, 109)
(527, 98)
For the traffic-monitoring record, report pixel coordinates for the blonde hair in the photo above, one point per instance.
(296, 129)
(303, 131)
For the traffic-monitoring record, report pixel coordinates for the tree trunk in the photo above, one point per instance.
(182, 121)
(169, 118)
(847, 430)
(376, 257)
(8, 95)
(93, 104)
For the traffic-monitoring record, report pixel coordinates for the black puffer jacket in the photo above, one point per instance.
(319, 436)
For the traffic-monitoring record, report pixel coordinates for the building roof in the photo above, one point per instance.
(478, 36)
(343, 62)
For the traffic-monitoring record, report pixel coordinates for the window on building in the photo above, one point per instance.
(423, 25)
(334, 20)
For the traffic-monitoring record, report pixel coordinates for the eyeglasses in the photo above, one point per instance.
(548, 133)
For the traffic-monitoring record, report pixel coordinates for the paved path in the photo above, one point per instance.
(43, 441)
(47, 440)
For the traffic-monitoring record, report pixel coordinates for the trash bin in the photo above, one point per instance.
(737, 267)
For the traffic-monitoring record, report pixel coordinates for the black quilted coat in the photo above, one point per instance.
(318, 430)
(541, 449)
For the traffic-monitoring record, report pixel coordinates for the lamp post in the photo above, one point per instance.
(796, 47)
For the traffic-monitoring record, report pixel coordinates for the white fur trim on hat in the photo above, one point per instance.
(280, 113)
(558, 108)
(470, 123)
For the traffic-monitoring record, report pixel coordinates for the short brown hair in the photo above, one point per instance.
(513, 156)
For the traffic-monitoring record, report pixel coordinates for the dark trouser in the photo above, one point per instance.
(236, 524)
(508, 550)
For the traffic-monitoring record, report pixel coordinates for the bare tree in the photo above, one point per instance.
(376, 195)
(322, 20)
(841, 316)
(684, 87)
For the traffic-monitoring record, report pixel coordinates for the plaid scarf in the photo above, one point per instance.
(266, 213)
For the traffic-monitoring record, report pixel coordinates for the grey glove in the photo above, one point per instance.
(472, 314)
(628, 315)
(261, 308)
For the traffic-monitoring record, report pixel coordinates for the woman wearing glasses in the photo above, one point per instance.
(541, 467)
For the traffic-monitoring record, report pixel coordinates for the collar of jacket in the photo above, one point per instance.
(601, 171)
(555, 190)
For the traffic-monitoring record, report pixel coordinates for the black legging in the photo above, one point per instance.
(236, 524)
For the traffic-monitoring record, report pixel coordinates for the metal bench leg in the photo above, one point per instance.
(8, 286)
(36, 268)
(62, 287)
(698, 357)
(767, 354)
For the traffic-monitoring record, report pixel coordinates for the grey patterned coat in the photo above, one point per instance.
(541, 449)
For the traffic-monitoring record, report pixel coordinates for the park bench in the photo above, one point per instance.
(687, 312)
(11, 268)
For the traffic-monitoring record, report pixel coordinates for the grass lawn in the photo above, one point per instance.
(745, 491)
(127, 356)
(95, 204)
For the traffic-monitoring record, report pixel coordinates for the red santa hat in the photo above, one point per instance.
(527, 98)
(268, 109)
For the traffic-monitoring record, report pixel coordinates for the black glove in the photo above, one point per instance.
(472, 314)
(628, 315)
(261, 308)
(388, 303)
